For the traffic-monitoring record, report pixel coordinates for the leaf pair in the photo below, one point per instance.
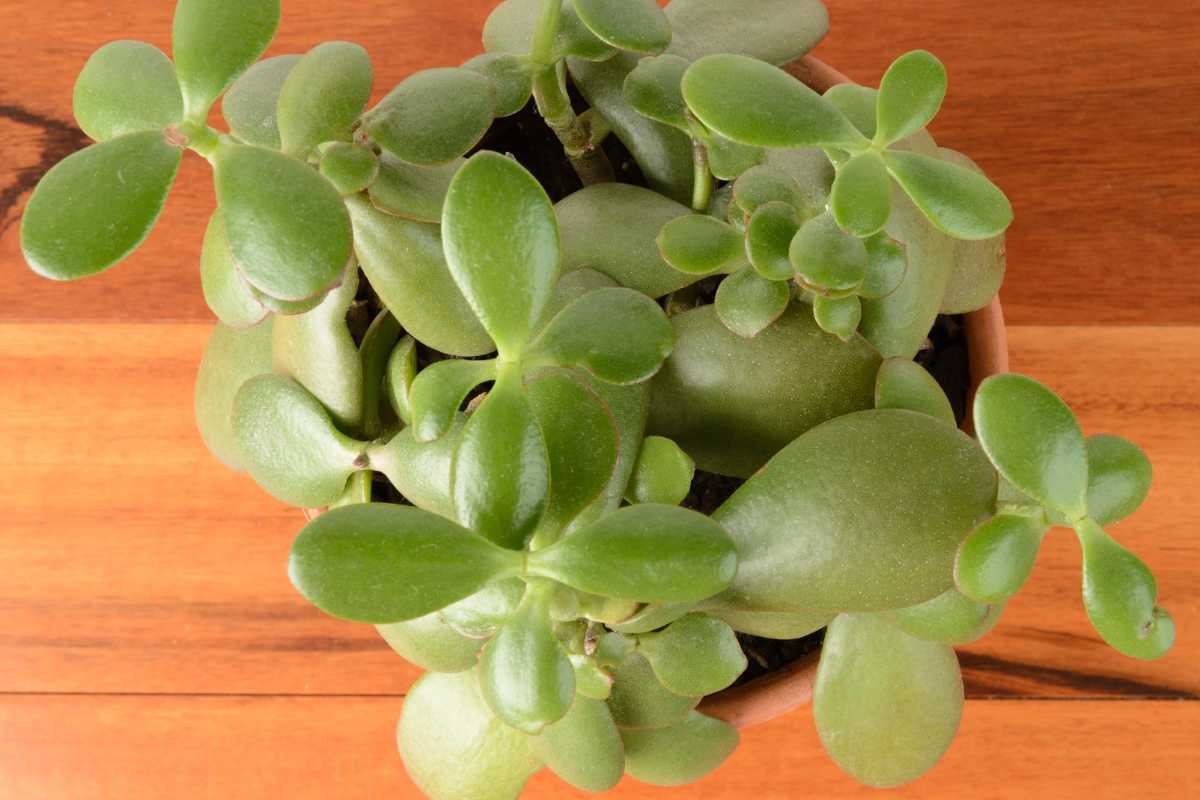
(590, 29)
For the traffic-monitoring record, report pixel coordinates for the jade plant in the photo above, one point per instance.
(500, 395)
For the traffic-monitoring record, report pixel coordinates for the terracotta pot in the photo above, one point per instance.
(776, 694)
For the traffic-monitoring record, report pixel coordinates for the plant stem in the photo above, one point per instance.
(358, 490)
(702, 182)
(550, 95)
(544, 36)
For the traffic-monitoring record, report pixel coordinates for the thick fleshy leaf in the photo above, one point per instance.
(617, 334)
(524, 674)
(416, 124)
(379, 343)
(766, 184)
(652, 616)
(755, 103)
(857, 103)
(95, 207)
(404, 262)
(886, 704)
(747, 302)
(727, 160)
(288, 229)
(732, 403)
(640, 701)
(289, 445)
(511, 77)
(1120, 595)
(695, 655)
(351, 168)
(699, 244)
(483, 613)
(647, 552)
(411, 191)
(910, 94)
(581, 444)
(1034, 440)
(994, 562)
(905, 384)
(653, 90)
(951, 617)
(814, 525)
(510, 28)
(979, 266)
(225, 291)
(583, 748)
(399, 375)
(250, 104)
(838, 316)
(862, 195)
(1118, 478)
(454, 747)
(214, 41)
(323, 95)
(500, 478)
(591, 680)
(431, 644)
(126, 86)
(774, 624)
(379, 563)
(887, 264)
(777, 31)
(681, 753)
(501, 242)
(635, 25)
(231, 358)
(663, 473)
(440, 389)
(769, 235)
(826, 257)
(959, 202)
(419, 470)
(570, 287)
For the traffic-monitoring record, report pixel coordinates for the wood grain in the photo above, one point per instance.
(1083, 111)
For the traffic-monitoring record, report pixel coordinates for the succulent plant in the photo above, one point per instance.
(502, 400)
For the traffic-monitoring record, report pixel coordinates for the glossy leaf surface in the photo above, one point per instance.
(420, 470)
(994, 562)
(379, 563)
(440, 389)
(838, 316)
(225, 291)
(959, 202)
(681, 753)
(699, 244)
(323, 95)
(95, 207)
(483, 613)
(887, 264)
(249, 107)
(1118, 478)
(126, 86)
(862, 195)
(950, 617)
(640, 701)
(214, 42)
(511, 77)
(910, 94)
(635, 25)
(727, 160)
(652, 89)
(231, 358)
(411, 191)
(431, 644)
(663, 473)
(905, 384)
(584, 747)
(777, 31)
(769, 235)
(416, 124)
(695, 655)
(399, 374)
(747, 302)
(826, 257)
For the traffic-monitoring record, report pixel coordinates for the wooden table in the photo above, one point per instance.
(151, 646)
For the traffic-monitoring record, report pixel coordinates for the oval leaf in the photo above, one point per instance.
(681, 753)
(950, 617)
(214, 42)
(323, 95)
(887, 264)
(695, 655)
(420, 471)
(429, 643)
(994, 562)
(959, 202)
(662, 474)
(231, 358)
(511, 77)
(727, 160)
(583, 748)
(910, 95)
(905, 384)
(699, 244)
(652, 89)
(636, 25)
(126, 86)
(1118, 478)
(777, 31)
(411, 191)
(416, 124)
(747, 302)
(225, 291)
(510, 29)
(827, 258)
(979, 266)
(250, 104)
(775, 624)
(838, 316)
(639, 701)
(440, 389)
(769, 233)
(862, 195)
(351, 168)
(764, 184)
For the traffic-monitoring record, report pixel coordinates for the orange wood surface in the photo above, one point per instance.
(151, 646)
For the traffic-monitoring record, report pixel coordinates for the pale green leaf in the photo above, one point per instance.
(126, 86)
(323, 96)
(417, 124)
(214, 42)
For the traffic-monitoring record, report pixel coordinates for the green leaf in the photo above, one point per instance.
(225, 291)
(440, 389)
(886, 704)
(680, 753)
(1118, 478)
(959, 202)
(747, 303)
(289, 445)
(652, 89)
(416, 124)
(699, 244)
(640, 702)
(500, 475)
(979, 266)
(754, 103)
(887, 264)
(769, 233)
(910, 95)
(617, 334)
(838, 316)
(695, 655)
(231, 358)
(862, 513)
(431, 644)
(524, 674)
(591, 681)
(323, 95)
(483, 613)
(351, 168)
(411, 191)
(510, 27)
(857, 103)
(778, 31)
(288, 229)
(501, 242)
(1034, 440)
(399, 375)
(126, 86)
(647, 552)
(765, 184)
(583, 748)
(96, 206)
(994, 562)
(862, 195)
(905, 384)
(663, 473)
(727, 160)
(1120, 595)
(636, 25)
(419, 470)
(249, 107)
(453, 746)
(652, 616)
(214, 42)
(826, 257)
(774, 624)
(950, 617)
(511, 77)
(379, 563)
(404, 262)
